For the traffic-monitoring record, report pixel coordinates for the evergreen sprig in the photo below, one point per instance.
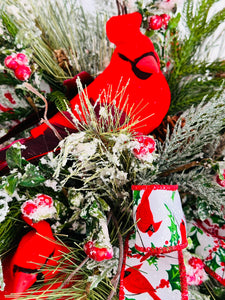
(193, 76)
(9, 24)
(59, 99)
(202, 128)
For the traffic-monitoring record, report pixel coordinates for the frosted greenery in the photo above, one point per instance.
(62, 25)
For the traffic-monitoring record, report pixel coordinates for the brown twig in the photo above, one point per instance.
(116, 278)
(45, 119)
(67, 281)
(182, 168)
(121, 7)
(32, 104)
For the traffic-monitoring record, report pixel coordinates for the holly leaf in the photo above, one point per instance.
(12, 182)
(221, 254)
(13, 156)
(153, 260)
(174, 277)
(212, 264)
(218, 220)
(32, 177)
(195, 241)
(136, 197)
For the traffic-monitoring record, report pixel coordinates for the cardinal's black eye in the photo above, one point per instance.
(140, 74)
(17, 268)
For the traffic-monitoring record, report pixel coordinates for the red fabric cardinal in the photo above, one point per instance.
(144, 216)
(37, 251)
(136, 283)
(134, 65)
(134, 62)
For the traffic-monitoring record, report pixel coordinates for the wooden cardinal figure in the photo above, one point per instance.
(36, 258)
(134, 65)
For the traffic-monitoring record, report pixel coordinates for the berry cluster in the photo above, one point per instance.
(38, 209)
(158, 21)
(195, 271)
(19, 64)
(145, 148)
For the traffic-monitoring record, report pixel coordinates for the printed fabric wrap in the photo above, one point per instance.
(153, 266)
(208, 238)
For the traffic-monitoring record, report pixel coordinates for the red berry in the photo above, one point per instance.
(22, 72)
(147, 145)
(165, 20)
(196, 262)
(155, 22)
(44, 200)
(220, 181)
(21, 59)
(10, 62)
(29, 207)
(97, 253)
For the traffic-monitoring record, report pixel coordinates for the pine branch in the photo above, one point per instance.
(187, 80)
(59, 99)
(202, 128)
(9, 24)
(209, 197)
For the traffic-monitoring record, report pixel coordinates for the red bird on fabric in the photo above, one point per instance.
(37, 251)
(133, 79)
(144, 216)
(136, 283)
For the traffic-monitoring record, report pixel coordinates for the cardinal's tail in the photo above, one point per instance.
(153, 295)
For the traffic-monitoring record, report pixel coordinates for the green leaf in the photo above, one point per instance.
(32, 177)
(221, 254)
(13, 156)
(59, 99)
(12, 182)
(173, 22)
(153, 261)
(11, 27)
(174, 277)
(195, 241)
(173, 195)
(212, 264)
(136, 197)
(173, 228)
(218, 220)
(149, 33)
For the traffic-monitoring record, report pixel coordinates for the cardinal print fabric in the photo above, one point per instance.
(208, 238)
(153, 266)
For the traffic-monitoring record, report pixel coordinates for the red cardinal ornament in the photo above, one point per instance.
(138, 88)
(135, 282)
(144, 216)
(37, 251)
(134, 64)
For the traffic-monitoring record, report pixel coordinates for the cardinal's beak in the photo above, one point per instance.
(22, 281)
(148, 64)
